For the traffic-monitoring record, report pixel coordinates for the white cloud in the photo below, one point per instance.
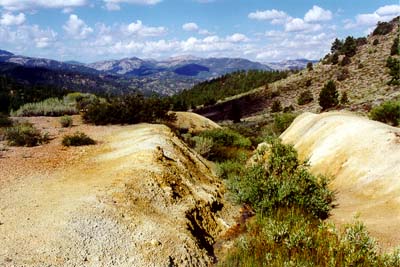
(115, 4)
(204, 32)
(137, 28)
(389, 10)
(24, 36)
(9, 19)
(237, 38)
(298, 25)
(77, 28)
(32, 4)
(268, 55)
(317, 14)
(190, 26)
(193, 27)
(384, 13)
(272, 14)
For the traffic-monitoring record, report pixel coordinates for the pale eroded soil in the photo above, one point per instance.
(137, 198)
(363, 159)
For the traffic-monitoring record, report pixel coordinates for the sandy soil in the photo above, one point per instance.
(139, 197)
(363, 157)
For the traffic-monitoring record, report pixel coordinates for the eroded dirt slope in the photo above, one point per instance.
(363, 156)
(139, 198)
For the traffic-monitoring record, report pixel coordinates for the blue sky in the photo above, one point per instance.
(261, 30)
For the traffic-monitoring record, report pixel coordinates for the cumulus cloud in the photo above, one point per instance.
(32, 4)
(317, 14)
(384, 13)
(77, 28)
(299, 25)
(273, 15)
(115, 4)
(193, 27)
(294, 46)
(9, 19)
(25, 36)
(190, 26)
(138, 28)
(237, 38)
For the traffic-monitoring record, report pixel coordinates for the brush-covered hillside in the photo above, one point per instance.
(357, 66)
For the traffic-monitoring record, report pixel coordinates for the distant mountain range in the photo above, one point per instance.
(297, 64)
(165, 77)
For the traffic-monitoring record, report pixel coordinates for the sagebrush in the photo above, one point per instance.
(25, 134)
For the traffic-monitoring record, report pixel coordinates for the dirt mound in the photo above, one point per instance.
(193, 123)
(363, 156)
(139, 198)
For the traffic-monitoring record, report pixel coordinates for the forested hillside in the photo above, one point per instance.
(209, 92)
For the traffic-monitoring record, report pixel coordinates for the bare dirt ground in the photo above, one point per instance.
(139, 197)
(363, 159)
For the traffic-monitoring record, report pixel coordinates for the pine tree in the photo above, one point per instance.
(336, 46)
(329, 96)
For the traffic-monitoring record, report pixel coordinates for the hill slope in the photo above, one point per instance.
(364, 80)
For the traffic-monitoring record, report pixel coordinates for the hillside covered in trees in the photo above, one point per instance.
(209, 92)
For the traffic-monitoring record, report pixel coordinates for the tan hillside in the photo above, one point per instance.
(140, 197)
(364, 80)
(363, 157)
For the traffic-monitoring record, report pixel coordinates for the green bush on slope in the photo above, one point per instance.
(388, 112)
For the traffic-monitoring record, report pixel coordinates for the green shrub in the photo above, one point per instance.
(337, 46)
(387, 112)
(335, 59)
(383, 28)
(395, 49)
(203, 145)
(349, 48)
(329, 96)
(48, 107)
(226, 144)
(66, 121)
(77, 139)
(5, 121)
(281, 181)
(305, 98)
(293, 239)
(230, 168)
(375, 42)
(394, 70)
(226, 137)
(128, 109)
(276, 106)
(282, 122)
(81, 100)
(24, 134)
(344, 99)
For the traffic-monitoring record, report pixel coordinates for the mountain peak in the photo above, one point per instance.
(5, 53)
